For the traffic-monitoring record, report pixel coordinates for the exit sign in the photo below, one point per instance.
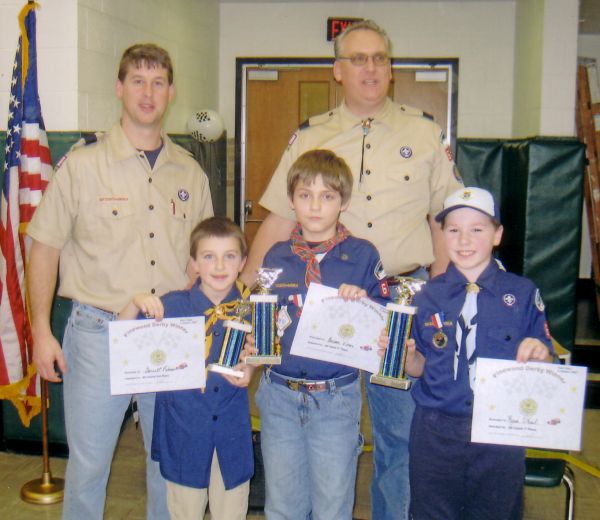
(337, 25)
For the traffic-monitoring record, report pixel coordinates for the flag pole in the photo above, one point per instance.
(46, 489)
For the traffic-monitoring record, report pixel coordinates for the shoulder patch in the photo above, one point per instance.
(85, 140)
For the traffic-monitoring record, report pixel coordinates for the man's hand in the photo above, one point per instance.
(47, 352)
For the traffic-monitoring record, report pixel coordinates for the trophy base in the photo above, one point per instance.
(220, 369)
(392, 382)
(263, 360)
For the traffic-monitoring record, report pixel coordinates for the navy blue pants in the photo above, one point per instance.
(455, 479)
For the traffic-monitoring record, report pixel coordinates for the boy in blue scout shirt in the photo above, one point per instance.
(475, 309)
(309, 409)
(202, 438)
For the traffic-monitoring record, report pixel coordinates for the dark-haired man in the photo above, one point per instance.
(117, 215)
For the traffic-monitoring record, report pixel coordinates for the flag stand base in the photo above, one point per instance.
(43, 491)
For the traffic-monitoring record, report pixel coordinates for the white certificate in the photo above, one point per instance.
(539, 405)
(155, 356)
(338, 331)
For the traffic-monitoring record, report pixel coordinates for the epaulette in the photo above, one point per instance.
(412, 111)
(85, 139)
(321, 118)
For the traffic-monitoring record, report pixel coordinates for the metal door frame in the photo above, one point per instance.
(450, 65)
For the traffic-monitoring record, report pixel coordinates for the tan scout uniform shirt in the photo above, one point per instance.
(122, 227)
(407, 174)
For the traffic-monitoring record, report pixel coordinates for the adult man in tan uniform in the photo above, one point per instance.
(117, 215)
(402, 174)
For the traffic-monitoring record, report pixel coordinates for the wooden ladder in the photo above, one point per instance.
(588, 106)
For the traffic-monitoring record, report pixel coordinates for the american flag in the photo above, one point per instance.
(25, 173)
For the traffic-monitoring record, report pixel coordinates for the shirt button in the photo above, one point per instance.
(370, 224)
(215, 417)
(407, 177)
(150, 179)
(468, 403)
(368, 172)
(216, 389)
(152, 262)
(151, 207)
(216, 333)
(115, 212)
(368, 147)
(151, 235)
(153, 291)
(368, 197)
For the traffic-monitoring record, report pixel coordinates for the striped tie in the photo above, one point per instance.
(466, 332)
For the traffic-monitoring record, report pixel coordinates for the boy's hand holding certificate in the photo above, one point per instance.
(539, 405)
(338, 331)
(154, 356)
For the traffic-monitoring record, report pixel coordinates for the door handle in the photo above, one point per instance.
(248, 205)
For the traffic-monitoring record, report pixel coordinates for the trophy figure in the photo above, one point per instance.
(233, 343)
(400, 315)
(264, 320)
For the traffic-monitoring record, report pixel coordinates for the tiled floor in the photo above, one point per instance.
(126, 487)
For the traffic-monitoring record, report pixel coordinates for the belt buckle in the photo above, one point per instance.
(293, 385)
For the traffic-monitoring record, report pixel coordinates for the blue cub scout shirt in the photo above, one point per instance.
(354, 261)
(509, 309)
(190, 424)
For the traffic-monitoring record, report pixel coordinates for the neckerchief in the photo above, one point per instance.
(308, 254)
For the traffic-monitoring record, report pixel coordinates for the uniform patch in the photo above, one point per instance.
(509, 299)
(379, 271)
(384, 288)
(183, 195)
(283, 320)
(448, 151)
(406, 152)
(292, 139)
(539, 303)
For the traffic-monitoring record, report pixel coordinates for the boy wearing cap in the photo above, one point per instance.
(475, 309)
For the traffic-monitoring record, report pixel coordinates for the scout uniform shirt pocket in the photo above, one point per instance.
(111, 219)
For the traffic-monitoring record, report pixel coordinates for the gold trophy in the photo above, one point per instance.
(264, 320)
(233, 343)
(400, 316)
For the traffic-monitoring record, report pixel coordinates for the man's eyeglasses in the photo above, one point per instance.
(360, 60)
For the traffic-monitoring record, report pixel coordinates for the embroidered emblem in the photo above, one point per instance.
(509, 300)
(292, 139)
(539, 303)
(384, 288)
(183, 195)
(406, 152)
(547, 330)
(449, 153)
(283, 320)
(379, 271)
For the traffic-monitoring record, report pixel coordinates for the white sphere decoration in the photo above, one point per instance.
(205, 126)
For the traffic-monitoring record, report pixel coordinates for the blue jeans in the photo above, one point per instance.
(391, 411)
(93, 420)
(310, 446)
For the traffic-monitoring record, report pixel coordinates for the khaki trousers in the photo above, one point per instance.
(187, 503)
